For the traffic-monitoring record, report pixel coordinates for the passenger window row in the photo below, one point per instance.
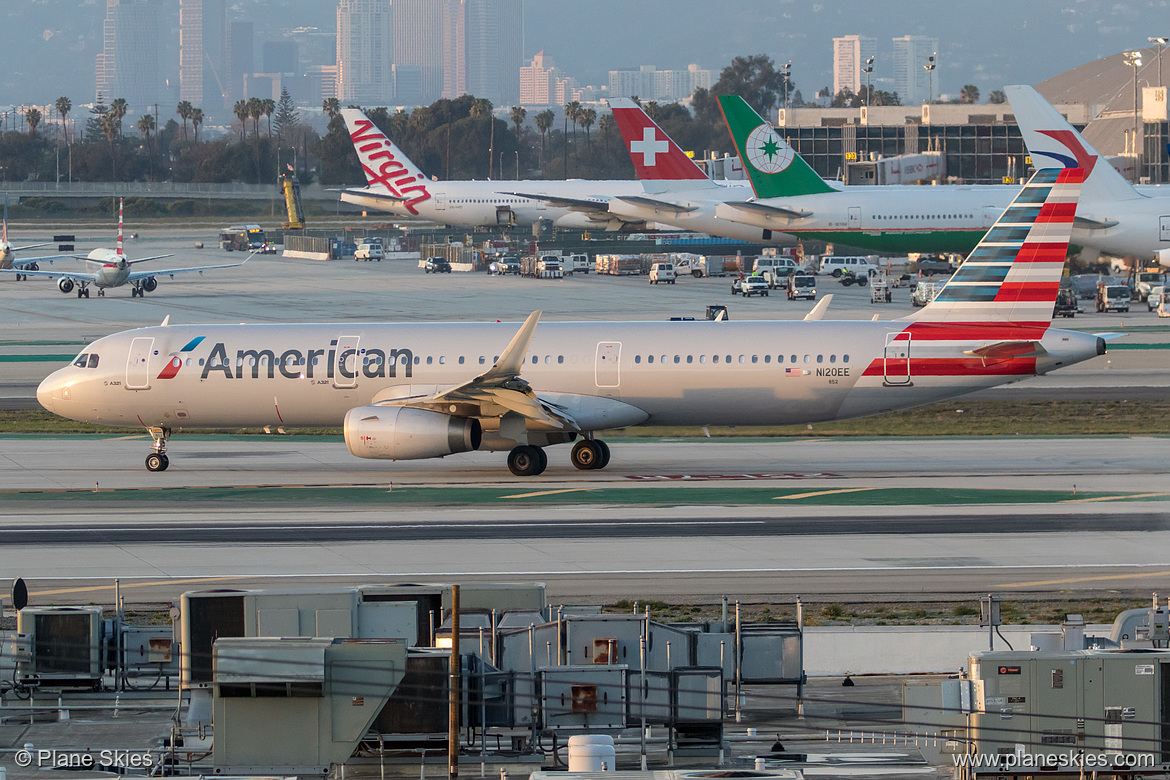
(725, 359)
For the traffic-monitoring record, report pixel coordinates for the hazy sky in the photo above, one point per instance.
(49, 45)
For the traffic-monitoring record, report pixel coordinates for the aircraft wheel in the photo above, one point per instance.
(586, 454)
(157, 462)
(604, 454)
(527, 461)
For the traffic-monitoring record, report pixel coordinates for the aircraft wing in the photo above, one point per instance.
(765, 209)
(82, 276)
(136, 275)
(575, 204)
(21, 262)
(659, 206)
(32, 246)
(144, 259)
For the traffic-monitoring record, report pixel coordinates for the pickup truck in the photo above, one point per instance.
(749, 286)
(803, 287)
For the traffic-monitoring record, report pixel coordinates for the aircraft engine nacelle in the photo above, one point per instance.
(398, 433)
(65, 285)
(150, 284)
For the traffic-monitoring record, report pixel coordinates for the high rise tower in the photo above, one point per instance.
(204, 77)
(128, 66)
(365, 52)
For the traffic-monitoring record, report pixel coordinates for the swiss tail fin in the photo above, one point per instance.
(657, 158)
(385, 165)
(1014, 273)
(1052, 141)
(774, 167)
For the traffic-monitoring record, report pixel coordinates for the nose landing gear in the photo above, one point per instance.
(157, 460)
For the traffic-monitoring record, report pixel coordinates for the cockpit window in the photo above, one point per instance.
(82, 360)
(93, 361)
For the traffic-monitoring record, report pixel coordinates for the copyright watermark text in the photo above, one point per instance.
(85, 759)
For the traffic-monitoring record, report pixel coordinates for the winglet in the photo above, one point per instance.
(166, 321)
(818, 311)
(513, 356)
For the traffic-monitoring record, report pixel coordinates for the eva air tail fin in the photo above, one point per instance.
(774, 167)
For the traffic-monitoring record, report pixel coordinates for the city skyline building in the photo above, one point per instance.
(203, 54)
(494, 40)
(911, 80)
(128, 65)
(418, 41)
(365, 52)
(648, 83)
(850, 53)
(241, 58)
(454, 48)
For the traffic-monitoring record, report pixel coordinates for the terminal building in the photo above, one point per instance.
(980, 143)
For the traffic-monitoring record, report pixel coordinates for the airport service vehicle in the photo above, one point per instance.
(505, 265)
(576, 264)
(542, 266)
(929, 266)
(775, 269)
(837, 265)
(747, 286)
(1145, 281)
(426, 390)
(108, 268)
(880, 292)
(802, 287)
(1066, 303)
(1154, 299)
(925, 292)
(242, 238)
(369, 252)
(699, 266)
(436, 265)
(397, 186)
(662, 272)
(8, 258)
(1113, 297)
(848, 278)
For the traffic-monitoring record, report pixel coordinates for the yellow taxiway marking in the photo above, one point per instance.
(126, 585)
(128, 438)
(549, 493)
(825, 493)
(1071, 580)
(1112, 498)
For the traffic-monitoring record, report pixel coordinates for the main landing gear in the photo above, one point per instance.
(82, 292)
(590, 454)
(157, 460)
(527, 460)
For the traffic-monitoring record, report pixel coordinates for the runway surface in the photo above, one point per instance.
(840, 518)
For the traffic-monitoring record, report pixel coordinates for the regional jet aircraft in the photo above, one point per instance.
(106, 268)
(423, 390)
(396, 185)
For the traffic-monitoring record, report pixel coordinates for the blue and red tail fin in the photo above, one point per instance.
(1014, 273)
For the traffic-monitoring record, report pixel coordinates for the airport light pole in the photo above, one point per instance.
(868, 69)
(1160, 42)
(786, 72)
(1134, 60)
(929, 66)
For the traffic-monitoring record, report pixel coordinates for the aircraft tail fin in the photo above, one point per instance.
(774, 167)
(656, 157)
(1014, 273)
(4, 238)
(1052, 142)
(119, 250)
(386, 166)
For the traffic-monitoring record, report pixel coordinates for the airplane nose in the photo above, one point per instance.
(48, 391)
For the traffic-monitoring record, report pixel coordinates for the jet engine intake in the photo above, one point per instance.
(150, 284)
(400, 433)
(65, 284)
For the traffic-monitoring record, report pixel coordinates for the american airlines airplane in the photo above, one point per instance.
(106, 268)
(1114, 216)
(397, 186)
(410, 391)
(8, 258)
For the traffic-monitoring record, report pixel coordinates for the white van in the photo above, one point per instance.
(662, 272)
(775, 268)
(577, 264)
(368, 252)
(836, 265)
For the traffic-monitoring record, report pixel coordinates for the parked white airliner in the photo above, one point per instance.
(8, 258)
(405, 391)
(106, 268)
(397, 186)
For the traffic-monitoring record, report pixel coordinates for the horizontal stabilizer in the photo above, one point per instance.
(1011, 348)
(1090, 222)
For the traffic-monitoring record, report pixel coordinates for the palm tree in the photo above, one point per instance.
(481, 108)
(146, 125)
(573, 114)
(240, 109)
(519, 114)
(33, 118)
(587, 118)
(184, 110)
(606, 125)
(969, 94)
(331, 106)
(269, 108)
(196, 120)
(544, 123)
(118, 109)
(64, 106)
(255, 111)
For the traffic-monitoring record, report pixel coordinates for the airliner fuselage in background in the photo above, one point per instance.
(429, 390)
(397, 186)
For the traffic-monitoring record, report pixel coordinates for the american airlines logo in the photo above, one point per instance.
(345, 361)
(374, 149)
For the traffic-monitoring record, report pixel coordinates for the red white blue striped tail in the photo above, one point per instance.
(1014, 273)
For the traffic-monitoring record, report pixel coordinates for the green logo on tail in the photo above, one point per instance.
(775, 170)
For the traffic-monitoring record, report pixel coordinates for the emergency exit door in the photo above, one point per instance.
(1164, 228)
(607, 367)
(138, 364)
(896, 361)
